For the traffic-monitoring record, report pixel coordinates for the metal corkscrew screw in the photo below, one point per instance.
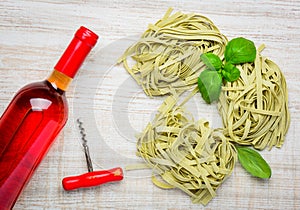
(92, 178)
(85, 146)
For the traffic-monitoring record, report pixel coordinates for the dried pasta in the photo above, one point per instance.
(254, 108)
(185, 154)
(167, 55)
(188, 154)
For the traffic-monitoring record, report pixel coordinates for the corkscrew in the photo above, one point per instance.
(92, 178)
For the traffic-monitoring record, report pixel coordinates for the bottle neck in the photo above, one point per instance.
(59, 80)
(71, 60)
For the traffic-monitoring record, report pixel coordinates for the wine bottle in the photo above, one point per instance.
(34, 118)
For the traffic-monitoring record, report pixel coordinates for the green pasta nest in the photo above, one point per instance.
(167, 55)
(254, 108)
(186, 154)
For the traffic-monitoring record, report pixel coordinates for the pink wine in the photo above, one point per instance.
(35, 117)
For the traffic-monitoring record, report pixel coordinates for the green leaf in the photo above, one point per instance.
(212, 61)
(240, 50)
(210, 83)
(230, 72)
(253, 162)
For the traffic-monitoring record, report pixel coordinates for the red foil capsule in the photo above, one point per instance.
(82, 43)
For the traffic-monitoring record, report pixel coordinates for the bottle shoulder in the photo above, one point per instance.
(41, 89)
(42, 86)
(40, 95)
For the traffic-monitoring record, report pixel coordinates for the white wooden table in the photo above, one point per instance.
(33, 34)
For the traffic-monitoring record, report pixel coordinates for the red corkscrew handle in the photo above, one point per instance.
(92, 179)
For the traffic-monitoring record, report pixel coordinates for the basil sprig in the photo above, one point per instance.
(253, 162)
(237, 51)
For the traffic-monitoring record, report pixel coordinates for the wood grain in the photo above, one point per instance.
(33, 36)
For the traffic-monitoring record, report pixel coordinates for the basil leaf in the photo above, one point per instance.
(253, 162)
(240, 50)
(212, 61)
(230, 72)
(210, 83)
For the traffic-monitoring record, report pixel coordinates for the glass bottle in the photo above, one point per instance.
(35, 117)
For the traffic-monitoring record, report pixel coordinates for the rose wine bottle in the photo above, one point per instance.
(34, 118)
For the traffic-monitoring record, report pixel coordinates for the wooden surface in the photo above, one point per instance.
(33, 35)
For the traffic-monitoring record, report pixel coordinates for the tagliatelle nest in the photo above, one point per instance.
(254, 108)
(167, 54)
(186, 154)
